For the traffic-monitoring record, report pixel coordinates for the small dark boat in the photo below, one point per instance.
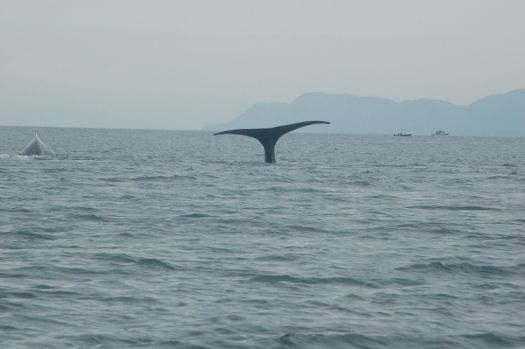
(400, 134)
(440, 133)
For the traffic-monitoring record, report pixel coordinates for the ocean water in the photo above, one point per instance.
(167, 239)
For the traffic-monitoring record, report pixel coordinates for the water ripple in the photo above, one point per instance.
(167, 239)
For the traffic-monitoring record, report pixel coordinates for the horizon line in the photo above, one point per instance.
(210, 131)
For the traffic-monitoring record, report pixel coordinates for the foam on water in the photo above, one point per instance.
(134, 239)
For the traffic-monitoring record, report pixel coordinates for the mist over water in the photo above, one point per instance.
(165, 239)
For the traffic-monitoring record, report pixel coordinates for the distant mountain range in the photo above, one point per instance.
(495, 115)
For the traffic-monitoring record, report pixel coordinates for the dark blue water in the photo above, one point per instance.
(158, 239)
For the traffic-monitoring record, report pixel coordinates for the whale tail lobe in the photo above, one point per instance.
(36, 147)
(268, 137)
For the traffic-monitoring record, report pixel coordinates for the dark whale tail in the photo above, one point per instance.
(269, 136)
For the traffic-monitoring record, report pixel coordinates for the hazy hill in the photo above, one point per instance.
(496, 115)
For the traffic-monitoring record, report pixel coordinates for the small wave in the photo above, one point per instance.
(83, 209)
(113, 179)
(80, 158)
(91, 217)
(453, 208)
(430, 227)
(15, 210)
(76, 271)
(403, 282)
(12, 305)
(130, 300)
(195, 215)
(305, 228)
(384, 197)
(56, 293)
(126, 259)
(335, 280)
(345, 340)
(283, 189)
(28, 235)
(15, 275)
(467, 268)
(496, 340)
(277, 257)
(125, 234)
(499, 177)
(362, 183)
(54, 170)
(175, 344)
(161, 178)
(154, 263)
(15, 294)
(106, 341)
(353, 297)
(390, 165)
(120, 257)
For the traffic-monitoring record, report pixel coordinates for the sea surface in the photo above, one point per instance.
(172, 239)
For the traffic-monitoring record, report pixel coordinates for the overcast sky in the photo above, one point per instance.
(186, 64)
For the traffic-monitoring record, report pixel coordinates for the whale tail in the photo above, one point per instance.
(36, 147)
(269, 136)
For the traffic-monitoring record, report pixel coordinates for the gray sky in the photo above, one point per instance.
(186, 64)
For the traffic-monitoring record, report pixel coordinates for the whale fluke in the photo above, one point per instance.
(36, 147)
(269, 136)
